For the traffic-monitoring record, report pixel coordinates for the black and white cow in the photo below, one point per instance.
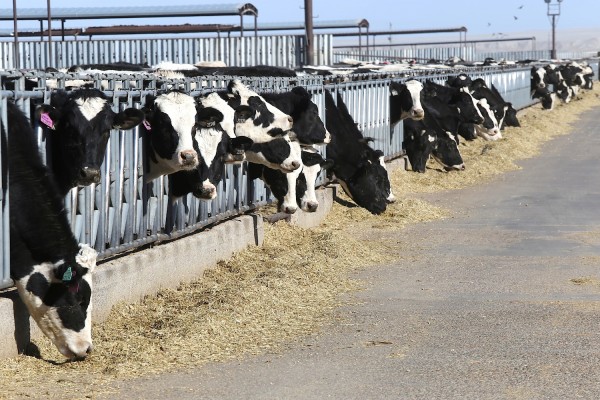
(435, 135)
(214, 148)
(405, 101)
(358, 167)
(170, 122)
(297, 103)
(52, 272)
(79, 123)
(299, 192)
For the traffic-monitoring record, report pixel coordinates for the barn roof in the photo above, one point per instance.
(6, 14)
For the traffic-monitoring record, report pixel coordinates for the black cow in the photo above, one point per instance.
(405, 101)
(357, 166)
(80, 122)
(52, 272)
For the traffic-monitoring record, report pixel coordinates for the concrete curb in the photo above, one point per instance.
(125, 279)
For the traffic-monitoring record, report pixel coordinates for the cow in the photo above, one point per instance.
(308, 126)
(268, 120)
(170, 120)
(52, 272)
(405, 101)
(80, 122)
(560, 88)
(427, 137)
(539, 79)
(358, 167)
(293, 193)
(214, 148)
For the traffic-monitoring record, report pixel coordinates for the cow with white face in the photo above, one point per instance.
(80, 123)
(539, 80)
(405, 101)
(52, 272)
(489, 129)
(170, 123)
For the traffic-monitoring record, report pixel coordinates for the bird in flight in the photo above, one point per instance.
(520, 7)
(515, 17)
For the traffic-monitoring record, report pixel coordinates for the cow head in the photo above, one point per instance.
(467, 107)
(489, 129)
(405, 101)
(266, 116)
(308, 126)
(368, 186)
(80, 123)
(445, 151)
(170, 124)
(312, 163)
(58, 297)
(418, 144)
(538, 78)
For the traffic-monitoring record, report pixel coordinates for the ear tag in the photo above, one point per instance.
(46, 120)
(68, 275)
(240, 120)
(147, 125)
(211, 124)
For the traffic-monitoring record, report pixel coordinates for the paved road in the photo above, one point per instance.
(480, 307)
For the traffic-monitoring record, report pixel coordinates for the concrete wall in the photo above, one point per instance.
(126, 278)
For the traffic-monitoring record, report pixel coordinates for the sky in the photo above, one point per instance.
(482, 18)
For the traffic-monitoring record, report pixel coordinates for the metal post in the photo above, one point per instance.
(16, 33)
(554, 12)
(553, 54)
(51, 64)
(308, 21)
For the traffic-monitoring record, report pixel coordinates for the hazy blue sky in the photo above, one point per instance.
(481, 17)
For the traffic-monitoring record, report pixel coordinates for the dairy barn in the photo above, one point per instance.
(207, 201)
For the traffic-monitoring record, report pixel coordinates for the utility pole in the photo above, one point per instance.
(554, 12)
(16, 33)
(308, 21)
(50, 63)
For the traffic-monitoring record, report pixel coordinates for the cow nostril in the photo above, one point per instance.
(295, 164)
(89, 349)
(188, 156)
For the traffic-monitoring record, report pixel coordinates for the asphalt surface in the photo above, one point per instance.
(480, 306)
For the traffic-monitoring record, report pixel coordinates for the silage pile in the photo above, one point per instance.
(266, 297)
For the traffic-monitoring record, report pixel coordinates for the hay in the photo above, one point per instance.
(264, 298)
(587, 280)
(255, 302)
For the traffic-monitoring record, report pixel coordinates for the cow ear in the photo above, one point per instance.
(301, 91)
(128, 119)
(208, 117)
(47, 116)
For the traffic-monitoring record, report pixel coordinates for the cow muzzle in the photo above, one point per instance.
(188, 159)
(417, 113)
(88, 175)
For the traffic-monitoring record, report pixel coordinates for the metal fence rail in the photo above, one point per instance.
(122, 213)
(283, 50)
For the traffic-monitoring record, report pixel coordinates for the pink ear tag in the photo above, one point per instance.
(46, 120)
(146, 125)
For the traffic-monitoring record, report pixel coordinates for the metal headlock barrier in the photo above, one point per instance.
(123, 213)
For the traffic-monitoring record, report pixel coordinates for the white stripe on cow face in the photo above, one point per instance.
(309, 201)
(541, 73)
(208, 140)
(415, 87)
(391, 198)
(213, 100)
(492, 133)
(90, 107)
(70, 343)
